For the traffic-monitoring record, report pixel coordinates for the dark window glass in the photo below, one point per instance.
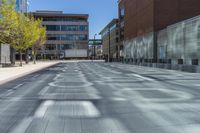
(195, 62)
(53, 37)
(180, 61)
(68, 37)
(73, 28)
(117, 39)
(51, 47)
(66, 46)
(83, 28)
(116, 48)
(82, 37)
(53, 27)
(66, 19)
(69, 28)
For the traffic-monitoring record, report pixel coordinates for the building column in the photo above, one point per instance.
(155, 48)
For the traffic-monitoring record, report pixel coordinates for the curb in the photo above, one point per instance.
(26, 73)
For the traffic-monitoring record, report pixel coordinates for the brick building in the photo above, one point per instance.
(143, 22)
(144, 16)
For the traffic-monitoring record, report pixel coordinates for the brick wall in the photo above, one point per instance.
(168, 12)
(138, 17)
(144, 16)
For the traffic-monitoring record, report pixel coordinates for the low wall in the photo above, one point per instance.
(185, 68)
(176, 47)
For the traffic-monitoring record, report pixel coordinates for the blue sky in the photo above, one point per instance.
(101, 11)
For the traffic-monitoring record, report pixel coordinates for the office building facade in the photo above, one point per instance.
(22, 5)
(67, 34)
(110, 40)
(158, 31)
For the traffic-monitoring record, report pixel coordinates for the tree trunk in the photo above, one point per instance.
(20, 52)
(12, 56)
(27, 57)
(34, 60)
(34, 57)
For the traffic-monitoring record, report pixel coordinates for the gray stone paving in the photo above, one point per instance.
(101, 98)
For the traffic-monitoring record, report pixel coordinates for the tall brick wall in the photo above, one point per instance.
(144, 16)
(168, 12)
(138, 17)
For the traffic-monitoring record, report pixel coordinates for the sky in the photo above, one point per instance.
(101, 12)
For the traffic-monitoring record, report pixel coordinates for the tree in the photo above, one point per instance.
(40, 36)
(8, 22)
(11, 24)
(21, 35)
(32, 35)
(19, 30)
(8, 18)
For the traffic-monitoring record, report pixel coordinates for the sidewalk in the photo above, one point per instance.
(12, 73)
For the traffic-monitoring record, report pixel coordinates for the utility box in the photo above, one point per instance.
(5, 54)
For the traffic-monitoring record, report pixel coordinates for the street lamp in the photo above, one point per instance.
(109, 45)
(94, 45)
(75, 47)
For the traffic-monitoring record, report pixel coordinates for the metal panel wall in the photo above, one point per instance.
(181, 41)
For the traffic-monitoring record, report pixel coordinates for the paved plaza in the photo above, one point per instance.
(91, 97)
(11, 73)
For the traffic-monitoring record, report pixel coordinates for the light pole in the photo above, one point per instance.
(94, 43)
(109, 44)
(75, 47)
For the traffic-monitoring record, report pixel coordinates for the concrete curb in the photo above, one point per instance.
(84, 61)
(26, 73)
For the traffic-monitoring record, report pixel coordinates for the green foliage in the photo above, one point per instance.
(41, 38)
(8, 22)
(21, 31)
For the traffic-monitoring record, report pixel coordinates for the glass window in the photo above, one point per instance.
(53, 27)
(65, 19)
(83, 28)
(73, 28)
(104, 33)
(122, 12)
(82, 37)
(65, 46)
(53, 37)
(113, 27)
(66, 28)
(51, 47)
(68, 37)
